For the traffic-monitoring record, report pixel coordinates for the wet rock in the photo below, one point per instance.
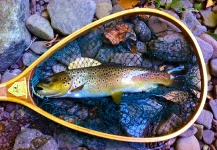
(213, 67)
(40, 27)
(205, 119)
(209, 18)
(169, 125)
(14, 37)
(136, 116)
(103, 10)
(187, 143)
(34, 139)
(213, 106)
(105, 54)
(39, 47)
(142, 31)
(208, 136)
(90, 44)
(117, 8)
(9, 74)
(74, 10)
(29, 58)
(199, 133)
(173, 48)
(127, 59)
(191, 131)
(212, 42)
(69, 53)
(192, 23)
(114, 2)
(206, 49)
(183, 3)
(141, 47)
(59, 68)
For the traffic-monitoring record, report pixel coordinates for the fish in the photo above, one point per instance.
(102, 81)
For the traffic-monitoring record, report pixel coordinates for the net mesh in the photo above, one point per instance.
(146, 114)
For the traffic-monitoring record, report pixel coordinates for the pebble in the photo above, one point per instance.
(209, 18)
(208, 136)
(74, 10)
(212, 42)
(142, 31)
(103, 10)
(9, 74)
(206, 49)
(34, 139)
(39, 47)
(102, 1)
(199, 133)
(29, 58)
(205, 119)
(213, 106)
(117, 8)
(192, 23)
(40, 27)
(187, 143)
(191, 131)
(213, 67)
(141, 47)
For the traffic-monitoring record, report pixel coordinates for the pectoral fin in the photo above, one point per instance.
(117, 97)
(77, 89)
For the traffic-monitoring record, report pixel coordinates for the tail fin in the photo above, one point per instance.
(177, 76)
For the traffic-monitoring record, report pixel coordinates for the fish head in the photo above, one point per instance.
(55, 85)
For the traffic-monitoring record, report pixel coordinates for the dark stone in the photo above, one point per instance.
(14, 37)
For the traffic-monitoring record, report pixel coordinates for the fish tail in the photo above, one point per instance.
(177, 76)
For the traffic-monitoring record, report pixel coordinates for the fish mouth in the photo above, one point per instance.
(44, 92)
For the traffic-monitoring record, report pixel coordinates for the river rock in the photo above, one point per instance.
(199, 133)
(142, 31)
(206, 49)
(209, 18)
(208, 136)
(39, 47)
(183, 3)
(141, 47)
(187, 143)
(34, 139)
(205, 119)
(14, 37)
(102, 1)
(103, 10)
(40, 27)
(213, 67)
(213, 106)
(9, 74)
(29, 58)
(69, 16)
(191, 131)
(117, 8)
(192, 23)
(212, 42)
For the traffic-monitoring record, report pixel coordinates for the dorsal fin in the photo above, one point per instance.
(83, 62)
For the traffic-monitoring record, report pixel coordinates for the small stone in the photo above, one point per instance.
(192, 23)
(213, 106)
(102, 1)
(29, 58)
(205, 119)
(34, 139)
(206, 49)
(183, 3)
(117, 8)
(9, 74)
(208, 136)
(191, 131)
(215, 91)
(141, 47)
(59, 68)
(213, 67)
(114, 2)
(199, 133)
(206, 147)
(45, 14)
(209, 18)
(69, 16)
(10, 107)
(2, 127)
(212, 42)
(103, 10)
(187, 143)
(40, 27)
(39, 47)
(142, 31)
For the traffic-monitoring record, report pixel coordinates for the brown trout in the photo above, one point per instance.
(100, 81)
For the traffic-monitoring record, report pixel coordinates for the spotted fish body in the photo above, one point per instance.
(100, 81)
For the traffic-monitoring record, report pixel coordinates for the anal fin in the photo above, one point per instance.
(117, 97)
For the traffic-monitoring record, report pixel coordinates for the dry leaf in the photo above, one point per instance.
(117, 34)
(133, 49)
(127, 4)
